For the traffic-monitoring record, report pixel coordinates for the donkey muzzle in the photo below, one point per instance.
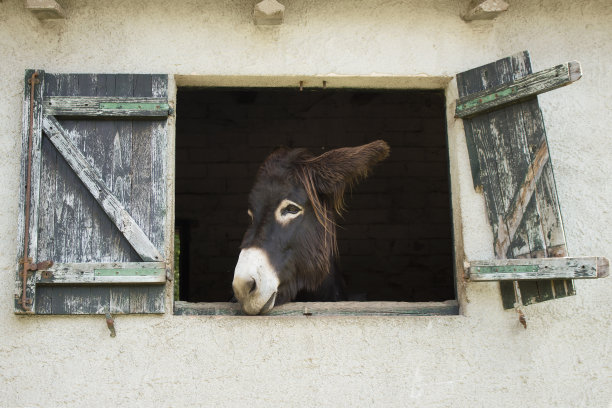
(255, 281)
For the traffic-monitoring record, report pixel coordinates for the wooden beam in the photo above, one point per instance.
(484, 9)
(45, 9)
(107, 273)
(106, 106)
(538, 268)
(98, 189)
(521, 89)
(449, 307)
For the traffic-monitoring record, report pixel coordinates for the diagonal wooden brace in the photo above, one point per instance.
(98, 189)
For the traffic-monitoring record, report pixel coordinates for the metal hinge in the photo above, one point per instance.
(26, 271)
(30, 267)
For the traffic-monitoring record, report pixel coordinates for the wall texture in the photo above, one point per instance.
(481, 358)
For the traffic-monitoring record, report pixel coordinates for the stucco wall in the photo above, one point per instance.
(481, 358)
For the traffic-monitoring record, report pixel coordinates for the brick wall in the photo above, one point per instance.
(395, 242)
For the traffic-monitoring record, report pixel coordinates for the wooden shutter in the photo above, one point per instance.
(510, 163)
(96, 229)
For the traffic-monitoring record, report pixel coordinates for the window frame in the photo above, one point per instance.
(345, 308)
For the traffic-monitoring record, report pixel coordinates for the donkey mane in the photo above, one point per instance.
(325, 179)
(316, 174)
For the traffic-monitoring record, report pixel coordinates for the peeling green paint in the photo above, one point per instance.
(507, 269)
(135, 106)
(486, 98)
(129, 272)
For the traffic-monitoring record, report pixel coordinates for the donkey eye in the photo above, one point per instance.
(286, 211)
(291, 209)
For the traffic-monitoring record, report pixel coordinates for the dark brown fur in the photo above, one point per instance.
(304, 252)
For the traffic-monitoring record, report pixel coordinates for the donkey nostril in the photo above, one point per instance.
(253, 287)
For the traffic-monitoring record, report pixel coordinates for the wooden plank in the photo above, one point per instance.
(36, 166)
(48, 202)
(59, 299)
(120, 300)
(102, 273)
(141, 170)
(449, 307)
(99, 299)
(473, 151)
(538, 268)
(34, 187)
(70, 191)
(85, 132)
(531, 291)
(154, 302)
(91, 179)
(159, 142)
(95, 299)
(526, 222)
(80, 301)
(100, 150)
(107, 106)
(138, 299)
(521, 89)
(48, 196)
(488, 173)
(550, 228)
(505, 153)
(43, 300)
(97, 273)
(121, 162)
(95, 147)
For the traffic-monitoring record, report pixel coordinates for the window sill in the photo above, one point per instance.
(449, 307)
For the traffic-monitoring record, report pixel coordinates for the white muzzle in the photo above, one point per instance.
(255, 281)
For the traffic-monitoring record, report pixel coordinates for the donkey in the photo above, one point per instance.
(289, 251)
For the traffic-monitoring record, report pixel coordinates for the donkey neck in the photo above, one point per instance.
(332, 289)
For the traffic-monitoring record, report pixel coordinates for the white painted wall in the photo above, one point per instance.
(482, 358)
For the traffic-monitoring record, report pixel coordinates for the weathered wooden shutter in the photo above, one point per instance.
(94, 148)
(510, 163)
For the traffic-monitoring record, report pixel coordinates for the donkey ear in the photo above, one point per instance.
(332, 172)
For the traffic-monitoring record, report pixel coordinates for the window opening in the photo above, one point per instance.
(395, 240)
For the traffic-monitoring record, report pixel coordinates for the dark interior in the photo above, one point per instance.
(395, 240)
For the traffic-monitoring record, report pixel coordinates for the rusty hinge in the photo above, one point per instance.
(110, 322)
(30, 266)
(26, 270)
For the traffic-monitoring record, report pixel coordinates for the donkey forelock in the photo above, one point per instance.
(293, 205)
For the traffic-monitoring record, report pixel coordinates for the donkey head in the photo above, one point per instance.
(291, 241)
